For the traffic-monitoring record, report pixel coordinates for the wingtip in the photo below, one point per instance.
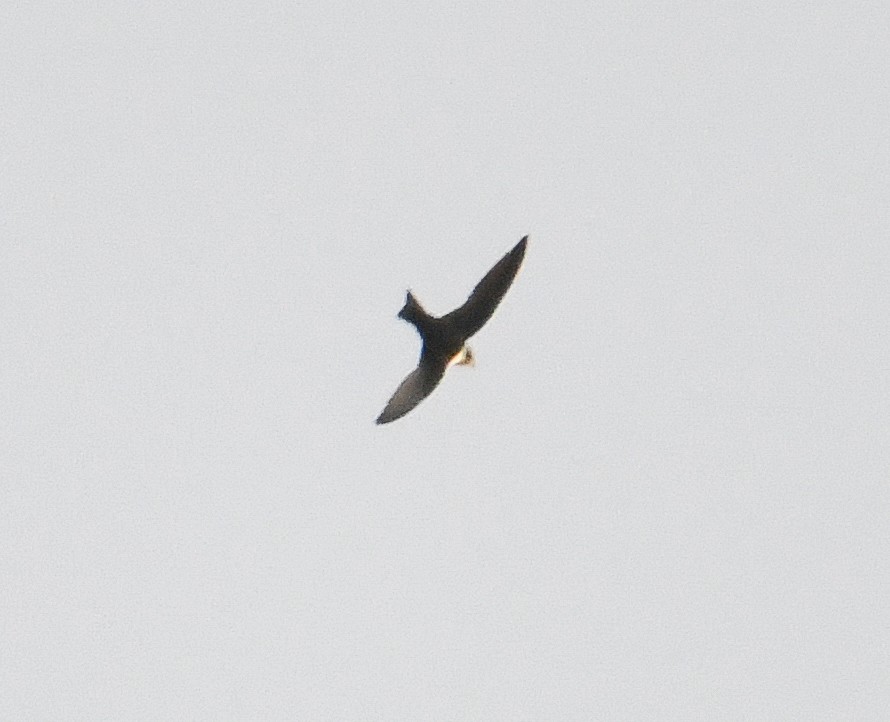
(520, 247)
(385, 418)
(388, 420)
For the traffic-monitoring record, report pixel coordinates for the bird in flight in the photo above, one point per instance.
(444, 338)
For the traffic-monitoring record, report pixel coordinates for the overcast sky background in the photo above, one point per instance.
(661, 493)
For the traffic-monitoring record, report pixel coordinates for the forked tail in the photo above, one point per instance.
(412, 311)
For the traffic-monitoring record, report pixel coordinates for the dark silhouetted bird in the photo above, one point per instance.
(444, 338)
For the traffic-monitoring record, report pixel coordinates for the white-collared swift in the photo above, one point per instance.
(445, 338)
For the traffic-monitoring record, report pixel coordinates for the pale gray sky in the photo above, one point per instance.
(661, 494)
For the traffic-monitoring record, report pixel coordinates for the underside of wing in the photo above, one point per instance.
(415, 388)
(487, 294)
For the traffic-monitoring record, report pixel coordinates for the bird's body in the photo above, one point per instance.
(444, 338)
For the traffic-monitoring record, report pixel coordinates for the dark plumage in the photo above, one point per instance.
(444, 338)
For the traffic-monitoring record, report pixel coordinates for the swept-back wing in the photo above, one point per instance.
(415, 388)
(487, 294)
